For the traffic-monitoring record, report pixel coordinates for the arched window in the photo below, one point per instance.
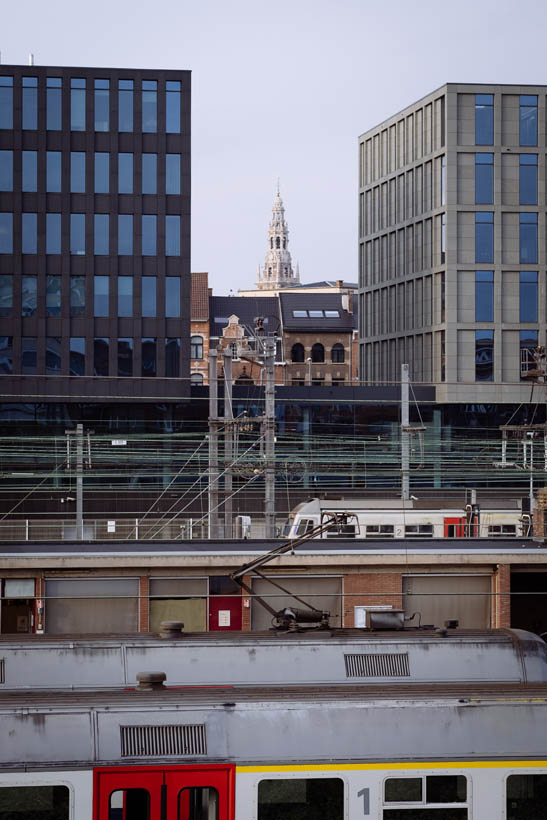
(271, 243)
(337, 354)
(318, 352)
(196, 378)
(196, 347)
(297, 353)
(277, 242)
(284, 244)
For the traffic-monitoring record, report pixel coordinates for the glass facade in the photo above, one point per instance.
(172, 174)
(53, 172)
(102, 172)
(125, 357)
(528, 296)
(102, 105)
(100, 295)
(77, 234)
(29, 295)
(148, 357)
(484, 296)
(6, 294)
(172, 235)
(53, 356)
(484, 119)
(101, 243)
(29, 113)
(77, 356)
(172, 297)
(29, 233)
(484, 179)
(484, 355)
(149, 173)
(149, 234)
(6, 170)
(6, 354)
(54, 103)
(6, 103)
(484, 236)
(125, 105)
(528, 238)
(29, 170)
(53, 233)
(6, 232)
(125, 234)
(77, 172)
(77, 104)
(77, 295)
(528, 120)
(28, 355)
(149, 106)
(125, 173)
(172, 107)
(528, 179)
(528, 347)
(172, 358)
(148, 296)
(53, 296)
(125, 296)
(100, 356)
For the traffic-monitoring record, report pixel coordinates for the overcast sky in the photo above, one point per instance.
(283, 89)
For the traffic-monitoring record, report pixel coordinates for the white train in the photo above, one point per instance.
(393, 518)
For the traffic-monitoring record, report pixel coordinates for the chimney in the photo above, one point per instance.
(339, 283)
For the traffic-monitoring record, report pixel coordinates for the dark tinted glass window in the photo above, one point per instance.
(6, 170)
(125, 357)
(484, 296)
(101, 241)
(526, 796)
(125, 296)
(528, 130)
(484, 237)
(149, 106)
(172, 107)
(30, 103)
(484, 119)
(28, 355)
(53, 172)
(172, 173)
(149, 173)
(301, 799)
(484, 179)
(528, 238)
(528, 348)
(6, 233)
(101, 289)
(172, 297)
(53, 295)
(77, 234)
(102, 172)
(403, 790)
(149, 233)
(528, 179)
(77, 172)
(77, 104)
(125, 173)
(425, 814)
(29, 226)
(6, 354)
(172, 358)
(172, 235)
(102, 105)
(53, 233)
(125, 234)
(77, 295)
(148, 296)
(484, 355)
(528, 295)
(125, 105)
(148, 357)
(30, 170)
(6, 294)
(6, 105)
(77, 356)
(53, 104)
(447, 788)
(29, 295)
(53, 355)
(134, 804)
(100, 357)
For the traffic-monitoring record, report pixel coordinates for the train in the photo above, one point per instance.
(406, 724)
(393, 518)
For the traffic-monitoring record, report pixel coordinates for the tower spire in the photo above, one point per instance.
(278, 271)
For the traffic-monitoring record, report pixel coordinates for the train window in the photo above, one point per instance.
(301, 799)
(446, 789)
(304, 525)
(434, 792)
(419, 531)
(198, 803)
(403, 790)
(526, 796)
(32, 802)
(129, 804)
(380, 530)
(497, 530)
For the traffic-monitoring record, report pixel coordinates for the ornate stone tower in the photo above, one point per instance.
(277, 272)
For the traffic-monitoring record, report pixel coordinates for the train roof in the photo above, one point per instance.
(438, 505)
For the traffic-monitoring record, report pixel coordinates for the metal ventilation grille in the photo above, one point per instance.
(2, 670)
(162, 741)
(377, 666)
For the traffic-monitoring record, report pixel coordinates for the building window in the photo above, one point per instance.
(443, 182)
(6, 354)
(77, 172)
(172, 107)
(484, 296)
(149, 233)
(125, 234)
(125, 296)
(484, 355)
(102, 172)
(101, 286)
(77, 104)
(149, 106)
(53, 172)
(29, 231)
(172, 297)
(148, 284)
(6, 294)
(196, 378)
(77, 234)
(528, 296)
(125, 173)
(53, 233)
(528, 348)
(172, 173)
(125, 357)
(30, 103)
(528, 238)
(297, 798)
(77, 295)
(53, 355)
(77, 356)
(484, 119)
(172, 358)
(6, 233)
(337, 354)
(148, 357)
(53, 295)
(28, 355)
(54, 104)
(29, 171)
(172, 235)
(6, 170)
(102, 105)
(29, 295)
(443, 239)
(318, 353)
(484, 179)
(528, 179)
(484, 236)
(297, 353)
(100, 356)
(6, 105)
(149, 173)
(125, 105)
(528, 130)
(196, 347)
(101, 244)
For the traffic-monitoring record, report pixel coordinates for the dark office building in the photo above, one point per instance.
(94, 234)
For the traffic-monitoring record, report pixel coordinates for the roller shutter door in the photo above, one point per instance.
(87, 605)
(322, 593)
(442, 597)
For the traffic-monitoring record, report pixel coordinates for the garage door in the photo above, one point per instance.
(179, 599)
(86, 605)
(442, 597)
(322, 593)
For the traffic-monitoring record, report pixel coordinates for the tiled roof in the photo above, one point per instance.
(315, 311)
(199, 306)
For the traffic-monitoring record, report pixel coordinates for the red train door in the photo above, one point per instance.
(454, 527)
(164, 793)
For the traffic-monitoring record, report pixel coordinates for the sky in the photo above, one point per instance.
(283, 89)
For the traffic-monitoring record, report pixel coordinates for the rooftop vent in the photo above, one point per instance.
(149, 681)
(163, 741)
(377, 666)
(171, 629)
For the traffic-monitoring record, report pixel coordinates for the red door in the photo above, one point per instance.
(164, 793)
(454, 527)
(225, 613)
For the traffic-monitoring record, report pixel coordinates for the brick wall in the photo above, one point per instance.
(501, 599)
(246, 610)
(371, 589)
(144, 603)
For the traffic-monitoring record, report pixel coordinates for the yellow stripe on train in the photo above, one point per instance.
(349, 767)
